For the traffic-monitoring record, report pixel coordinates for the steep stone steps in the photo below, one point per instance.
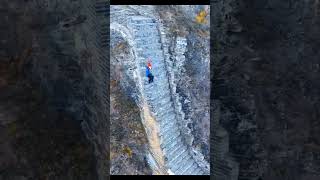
(187, 169)
(170, 135)
(175, 151)
(180, 156)
(183, 158)
(146, 39)
(181, 165)
(167, 122)
(159, 114)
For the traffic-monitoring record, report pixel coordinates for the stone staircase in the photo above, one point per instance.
(157, 94)
(146, 41)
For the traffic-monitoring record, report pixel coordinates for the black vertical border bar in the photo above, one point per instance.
(211, 96)
(108, 87)
(211, 88)
(97, 102)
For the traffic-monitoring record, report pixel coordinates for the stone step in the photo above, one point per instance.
(175, 151)
(163, 122)
(149, 47)
(154, 96)
(162, 84)
(181, 164)
(162, 101)
(178, 153)
(189, 170)
(168, 126)
(174, 137)
(142, 43)
(160, 117)
(163, 94)
(170, 149)
(185, 166)
(193, 169)
(199, 172)
(152, 91)
(155, 53)
(162, 76)
(157, 93)
(156, 56)
(141, 19)
(169, 136)
(151, 56)
(147, 86)
(182, 154)
(169, 145)
(146, 34)
(166, 117)
(170, 142)
(186, 163)
(141, 32)
(142, 24)
(186, 155)
(172, 130)
(167, 120)
(141, 28)
(143, 61)
(153, 46)
(159, 71)
(161, 113)
(147, 38)
(167, 140)
(162, 89)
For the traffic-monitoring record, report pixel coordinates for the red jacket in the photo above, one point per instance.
(149, 65)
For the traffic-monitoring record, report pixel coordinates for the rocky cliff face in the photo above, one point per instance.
(188, 69)
(266, 74)
(128, 138)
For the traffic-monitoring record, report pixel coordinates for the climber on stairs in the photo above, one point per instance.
(148, 72)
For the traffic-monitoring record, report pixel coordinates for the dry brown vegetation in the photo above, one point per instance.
(128, 139)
